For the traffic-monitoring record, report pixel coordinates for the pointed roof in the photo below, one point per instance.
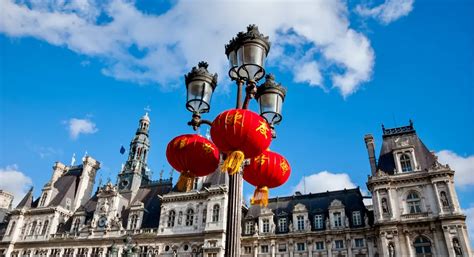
(400, 137)
(27, 200)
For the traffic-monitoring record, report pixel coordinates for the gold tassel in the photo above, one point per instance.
(260, 196)
(185, 182)
(233, 162)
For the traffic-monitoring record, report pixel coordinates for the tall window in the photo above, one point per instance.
(422, 247)
(264, 249)
(413, 202)
(300, 222)
(75, 226)
(318, 221)
(356, 218)
(249, 228)
(171, 218)
(359, 242)
(282, 225)
(320, 245)
(337, 219)
(33, 228)
(405, 163)
(189, 217)
(133, 221)
(12, 227)
(300, 247)
(215, 213)
(45, 227)
(265, 226)
(43, 199)
(339, 244)
(204, 216)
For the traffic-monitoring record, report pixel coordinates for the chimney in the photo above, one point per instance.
(58, 170)
(369, 143)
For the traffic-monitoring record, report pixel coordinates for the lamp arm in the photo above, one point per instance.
(196, 121)
(250, 91)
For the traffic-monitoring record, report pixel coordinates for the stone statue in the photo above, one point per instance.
(391, 250)
(346, 221)
(328, 225)
(180, 217)
(366, 220)
(290, 226)
(444, 199)
(384, 205)
(457, 248)
(255, 229)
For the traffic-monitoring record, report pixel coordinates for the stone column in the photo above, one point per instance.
(379, 205)
(463, 240)
(273, 248)
(291, 249)
(349, 247)
(255, 250)
(436, 241)
(440, 205)
(384, 250)
(449, 243)
(391, 204)
(408, 243)
(453, 195)
(329, 247)
(370, 247)
(310, 244)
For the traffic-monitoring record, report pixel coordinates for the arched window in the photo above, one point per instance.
(413, 202)
(171, 218)
(134, 221)
(43, 199)
(75, 227)
(405, 163)
(189, 217)
(422, 247)
(12, 227)
(215, 213)
(457, 247)
(33, 228)
(45, 227)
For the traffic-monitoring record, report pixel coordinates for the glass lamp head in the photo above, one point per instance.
(270, 96)
(200, 85)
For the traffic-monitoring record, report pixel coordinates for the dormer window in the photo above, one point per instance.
(282, 225)
(171, 218)
(189, 217)
(318, 221)
(265, 226)
(134, 221)
(337, 220)
(300, 222)
(43, 199)
(405, 163)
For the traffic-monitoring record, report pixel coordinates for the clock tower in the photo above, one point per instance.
(135, 172)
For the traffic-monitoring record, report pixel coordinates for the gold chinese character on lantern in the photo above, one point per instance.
(263, 128)
(208, 148)
(182, 142)
(261, 159)
(284, 166)
(234, 119)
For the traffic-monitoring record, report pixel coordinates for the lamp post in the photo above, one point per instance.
(246, 53)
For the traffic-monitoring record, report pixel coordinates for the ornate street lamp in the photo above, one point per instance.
(246, 53)
(270, 96)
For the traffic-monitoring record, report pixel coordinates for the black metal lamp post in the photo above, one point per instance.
(246, 54)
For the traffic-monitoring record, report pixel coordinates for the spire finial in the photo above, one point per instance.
(73, 159)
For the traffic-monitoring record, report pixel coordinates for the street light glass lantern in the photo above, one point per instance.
(270, 96)
(251, 49)
(200, 85)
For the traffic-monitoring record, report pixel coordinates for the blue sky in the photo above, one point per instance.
(76, 77)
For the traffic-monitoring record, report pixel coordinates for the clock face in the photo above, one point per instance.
(102, 222)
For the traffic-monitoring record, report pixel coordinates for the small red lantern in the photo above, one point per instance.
(193, 156)
(240, 134)
(268, 170)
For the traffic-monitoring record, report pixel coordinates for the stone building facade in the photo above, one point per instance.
(415, 212)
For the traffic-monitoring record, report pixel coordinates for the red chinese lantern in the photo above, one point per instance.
(193, 156)
(240, 134)
(268, 170)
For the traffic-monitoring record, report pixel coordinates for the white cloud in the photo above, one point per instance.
(462, 166)
(389, 11)
(14, 181)
(324, 181)
(317, 34)
(80, 126)
(470, 222)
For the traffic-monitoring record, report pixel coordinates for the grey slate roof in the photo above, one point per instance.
(67, 186)
(27, 200)
(386, 161)
(315, 204)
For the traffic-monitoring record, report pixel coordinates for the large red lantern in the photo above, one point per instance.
(240, 134)
(193, 156)
(268, 170)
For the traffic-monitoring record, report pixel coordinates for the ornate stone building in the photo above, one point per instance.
(415, 212)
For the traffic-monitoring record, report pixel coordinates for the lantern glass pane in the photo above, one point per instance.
(199, 96)
(251, 60)
(270, 107)
(232, 59)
